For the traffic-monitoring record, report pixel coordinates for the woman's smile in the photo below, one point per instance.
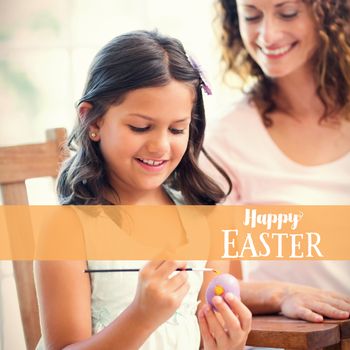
(275, 51)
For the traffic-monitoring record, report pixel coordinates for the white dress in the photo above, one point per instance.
(112, 293)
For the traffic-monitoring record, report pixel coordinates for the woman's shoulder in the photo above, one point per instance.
(240, 124)
(241, 112)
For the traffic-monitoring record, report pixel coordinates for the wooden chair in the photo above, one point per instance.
(17, 164)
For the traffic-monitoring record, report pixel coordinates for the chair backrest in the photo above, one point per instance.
(17, 164)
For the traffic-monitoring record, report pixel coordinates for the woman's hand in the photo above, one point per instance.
(159, 293)
(228, 332)
(311, 304)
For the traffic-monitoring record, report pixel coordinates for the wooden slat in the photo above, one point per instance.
(20, 230)
(18, 163)
(28, 304)
(281, 332)
(14, 193)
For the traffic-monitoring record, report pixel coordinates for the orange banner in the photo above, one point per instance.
(179, 232)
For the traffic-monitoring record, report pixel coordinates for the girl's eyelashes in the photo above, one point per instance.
(174, 131)
(137, 129)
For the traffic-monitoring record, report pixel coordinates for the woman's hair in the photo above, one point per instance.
(132, 61)
(331, 60)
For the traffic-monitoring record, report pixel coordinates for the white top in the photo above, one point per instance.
(112, 293)
(263, 174)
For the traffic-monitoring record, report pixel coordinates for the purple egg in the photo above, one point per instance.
(220, 285)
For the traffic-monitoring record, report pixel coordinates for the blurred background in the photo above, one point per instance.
(46, 47)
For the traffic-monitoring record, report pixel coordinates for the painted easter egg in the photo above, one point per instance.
(220, 285)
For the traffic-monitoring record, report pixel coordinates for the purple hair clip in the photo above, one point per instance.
(204, 82)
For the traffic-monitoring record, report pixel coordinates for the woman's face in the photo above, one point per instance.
(280, 35)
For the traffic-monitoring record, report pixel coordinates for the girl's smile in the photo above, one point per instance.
(151, 165)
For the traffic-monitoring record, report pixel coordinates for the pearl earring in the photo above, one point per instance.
(93, 134)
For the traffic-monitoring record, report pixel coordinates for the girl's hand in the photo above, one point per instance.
(158, 295)
(229, 334)
(312, 304)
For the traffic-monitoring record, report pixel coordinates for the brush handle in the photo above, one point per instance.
(136, 270)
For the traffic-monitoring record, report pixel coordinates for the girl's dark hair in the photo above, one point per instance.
(331, 60)
(132, 61)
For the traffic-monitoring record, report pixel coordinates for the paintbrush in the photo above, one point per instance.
(205, 269)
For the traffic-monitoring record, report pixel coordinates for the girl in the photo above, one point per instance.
(288, 140)
(139, 134)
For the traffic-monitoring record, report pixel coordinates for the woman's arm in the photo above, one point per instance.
(64, 294)
(294, 301)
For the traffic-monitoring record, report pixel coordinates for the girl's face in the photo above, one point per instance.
(280, 35)
(144, 138)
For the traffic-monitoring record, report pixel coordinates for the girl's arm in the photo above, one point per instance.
(64, 294)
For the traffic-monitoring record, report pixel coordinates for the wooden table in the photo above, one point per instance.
(280, 332)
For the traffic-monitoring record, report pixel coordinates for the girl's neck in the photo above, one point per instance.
(296, 96)
(152, 197)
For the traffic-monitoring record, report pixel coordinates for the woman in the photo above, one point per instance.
(288, 140)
